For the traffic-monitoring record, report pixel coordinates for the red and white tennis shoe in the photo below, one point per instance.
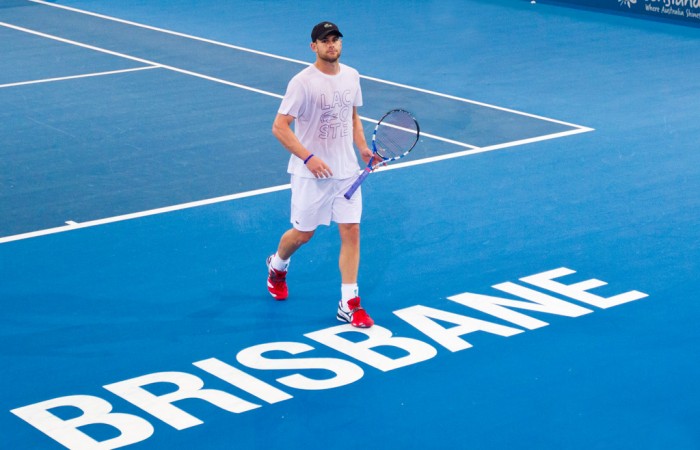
(357, 316)
(276, 282)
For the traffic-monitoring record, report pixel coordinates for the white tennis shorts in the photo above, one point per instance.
(319, 201)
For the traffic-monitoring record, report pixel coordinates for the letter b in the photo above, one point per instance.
(94, 411)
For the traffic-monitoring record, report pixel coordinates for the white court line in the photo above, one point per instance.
(270, 55)
(72, 225)
(73, 77)
(474, 102)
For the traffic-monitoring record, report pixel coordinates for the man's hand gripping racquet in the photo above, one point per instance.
(394, 137)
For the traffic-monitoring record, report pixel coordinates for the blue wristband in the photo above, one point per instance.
(307, 159)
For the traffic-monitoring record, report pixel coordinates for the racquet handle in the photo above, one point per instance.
(357, 183)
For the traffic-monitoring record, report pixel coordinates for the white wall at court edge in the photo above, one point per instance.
(134, 428)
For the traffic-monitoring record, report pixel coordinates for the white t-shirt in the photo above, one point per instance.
(322, 107)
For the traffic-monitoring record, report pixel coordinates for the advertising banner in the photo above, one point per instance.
(685, 11)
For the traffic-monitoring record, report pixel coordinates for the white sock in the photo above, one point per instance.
(278, 263)
(348, 292)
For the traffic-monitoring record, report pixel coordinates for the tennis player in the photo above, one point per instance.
(322, 101)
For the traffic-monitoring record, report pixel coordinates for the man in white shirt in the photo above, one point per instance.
(322, 101)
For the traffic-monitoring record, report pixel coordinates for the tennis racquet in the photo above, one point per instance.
(394, 137)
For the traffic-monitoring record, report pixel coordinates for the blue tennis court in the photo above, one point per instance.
(532, 267)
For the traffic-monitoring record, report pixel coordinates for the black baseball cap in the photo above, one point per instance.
(323, 29)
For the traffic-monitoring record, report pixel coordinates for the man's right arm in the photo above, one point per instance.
(282, 130)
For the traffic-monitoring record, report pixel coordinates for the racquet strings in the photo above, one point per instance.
(396, 134)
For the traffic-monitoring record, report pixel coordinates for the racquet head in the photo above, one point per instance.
(395, 135)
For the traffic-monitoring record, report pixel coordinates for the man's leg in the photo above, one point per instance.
(349, 309)
(290, 242)
(349, 260)
(277, 264)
